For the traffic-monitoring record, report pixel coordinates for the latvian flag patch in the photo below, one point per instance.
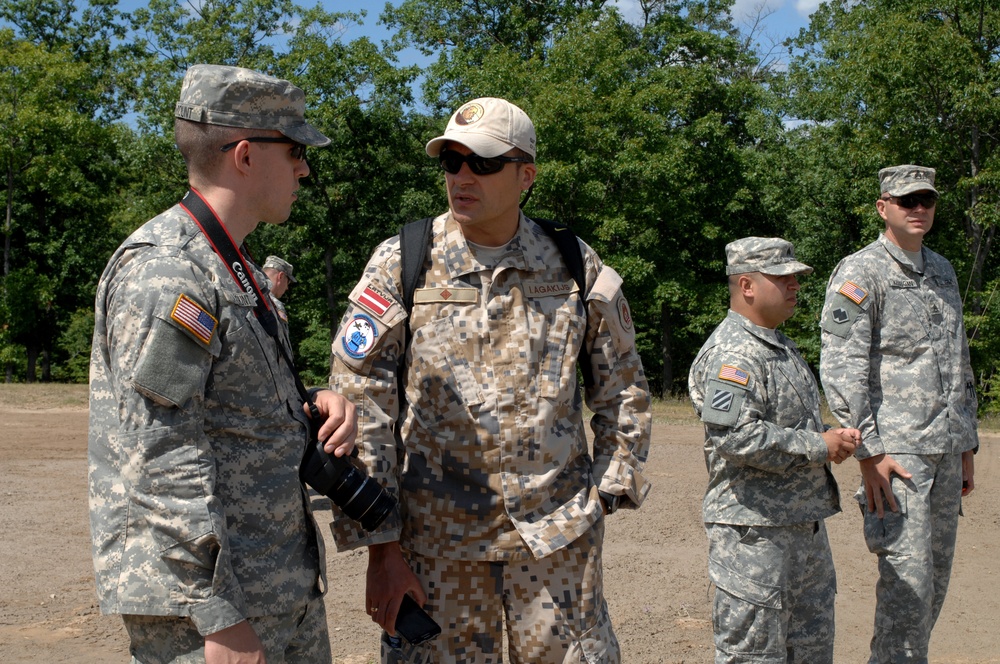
(734, 374)
(193, 318)
(374, 300)
(853, 292)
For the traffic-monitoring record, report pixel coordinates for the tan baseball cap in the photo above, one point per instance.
(489, 127)
(906, 179)
(767, 255)
(238, 97)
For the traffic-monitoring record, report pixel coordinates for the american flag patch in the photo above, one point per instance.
(734, 374)
(853, 292)
(374, 301)
(194, 319)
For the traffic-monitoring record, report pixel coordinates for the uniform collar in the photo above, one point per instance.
(526, 250)
(765, 334)
(899, 255)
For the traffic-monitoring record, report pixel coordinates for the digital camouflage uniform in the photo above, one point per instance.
(769, 489)
(498, 472)
(196, 433)
(895, 364)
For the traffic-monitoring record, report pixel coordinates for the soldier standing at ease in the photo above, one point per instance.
(895, 364)
(203, 539)
(503, 502)
(769, 480)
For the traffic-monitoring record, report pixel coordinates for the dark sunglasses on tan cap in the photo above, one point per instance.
(451, 162)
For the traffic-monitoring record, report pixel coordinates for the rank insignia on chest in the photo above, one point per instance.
(734, 374)
(193, 318)
(853, 292)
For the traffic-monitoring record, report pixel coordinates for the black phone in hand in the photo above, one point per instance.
(413, 623)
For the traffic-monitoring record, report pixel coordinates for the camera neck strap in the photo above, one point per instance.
(224, 246)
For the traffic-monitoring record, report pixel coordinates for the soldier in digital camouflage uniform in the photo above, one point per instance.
(501, 497)
(279, 276)
(769, 481)
(203, 538)
(895, 364)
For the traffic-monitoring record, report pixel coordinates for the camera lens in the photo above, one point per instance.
(359, 496)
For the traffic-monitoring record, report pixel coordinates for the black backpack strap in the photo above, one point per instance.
(414, 239)
(569, 247)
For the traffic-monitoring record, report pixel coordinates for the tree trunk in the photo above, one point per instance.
(666, 352)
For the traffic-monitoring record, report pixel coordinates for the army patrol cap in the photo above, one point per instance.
(281, 265)
(237, 97)
(767, 255)
(906, 179)
(489, 127)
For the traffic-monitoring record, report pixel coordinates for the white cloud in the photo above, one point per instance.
(630, 10)
(806, 7)
(742, 10)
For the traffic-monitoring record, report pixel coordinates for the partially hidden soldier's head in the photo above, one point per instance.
(767, 255)
(220, 104)
(280, 265)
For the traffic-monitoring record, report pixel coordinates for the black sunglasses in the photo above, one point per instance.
(298, 149)
(452, 161)
(928, 199)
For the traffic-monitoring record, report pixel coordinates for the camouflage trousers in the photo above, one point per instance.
(296, 638)
(915, 549)
(553, 607)
(775, 593)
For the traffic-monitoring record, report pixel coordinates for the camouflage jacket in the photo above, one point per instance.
(495, 462)
(196, 434)
(764, 450)
(895, 360)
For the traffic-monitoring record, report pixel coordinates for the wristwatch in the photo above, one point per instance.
(610, 501)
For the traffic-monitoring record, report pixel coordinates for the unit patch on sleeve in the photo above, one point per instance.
(193, 318)
(359, 336)
(723, 401)
(734, 374)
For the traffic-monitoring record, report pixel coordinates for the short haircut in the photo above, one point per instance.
(199, 144)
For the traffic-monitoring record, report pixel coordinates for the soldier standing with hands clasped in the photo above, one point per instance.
(895, 364)
(769, 481)
(203, 539)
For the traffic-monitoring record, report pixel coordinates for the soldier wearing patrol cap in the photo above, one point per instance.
(202, 534)
(502, 500)
(769, 482)
(895, 364)
(279, 275)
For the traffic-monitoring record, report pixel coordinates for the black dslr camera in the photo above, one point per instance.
(359, 496)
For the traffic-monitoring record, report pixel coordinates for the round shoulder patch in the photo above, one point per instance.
(624, 313)
(359, 336)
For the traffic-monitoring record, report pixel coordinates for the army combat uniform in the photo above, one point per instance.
(769, 489)
(495, 473)
(895, 364)
(196, 434)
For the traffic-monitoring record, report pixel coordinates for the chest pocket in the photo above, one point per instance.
(441, 379)
(905, 316)
(243, 378)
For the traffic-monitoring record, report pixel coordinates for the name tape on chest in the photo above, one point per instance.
(550, 289)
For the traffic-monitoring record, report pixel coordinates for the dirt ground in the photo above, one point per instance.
(655, 564)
